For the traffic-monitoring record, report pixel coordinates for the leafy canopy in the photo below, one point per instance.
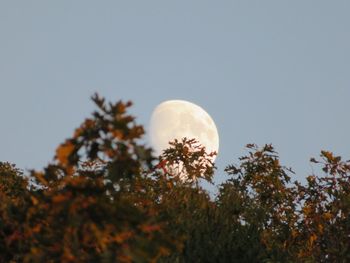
(106, 198)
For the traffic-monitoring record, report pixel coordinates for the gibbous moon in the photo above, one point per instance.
(176, 119)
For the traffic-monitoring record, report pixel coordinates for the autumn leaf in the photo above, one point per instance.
(312, 238)
(150, 228)
(118, 134)
(327, 216)
(63, 152)
(78, 132)
(320, 228)
(328, 155)
(122, 237)
(40, 177)
(35, 201)
(60, 198)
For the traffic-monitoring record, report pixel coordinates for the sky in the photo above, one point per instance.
(267, 71)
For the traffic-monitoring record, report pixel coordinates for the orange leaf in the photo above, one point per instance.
(78, 132)
(120, 238)
(60, 198)
(327, 216)
(35, 201)
(312, 239)
(118, 134)
(63, 152)
(150, 228)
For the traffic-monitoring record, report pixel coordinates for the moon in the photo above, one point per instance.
(176, 119)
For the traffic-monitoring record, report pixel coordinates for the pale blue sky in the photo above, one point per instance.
(266, 71)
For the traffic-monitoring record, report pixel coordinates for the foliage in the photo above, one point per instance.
(325, 216)
(14, 202)
(106, 198)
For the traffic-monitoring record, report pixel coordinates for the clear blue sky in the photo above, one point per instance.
(266, 71)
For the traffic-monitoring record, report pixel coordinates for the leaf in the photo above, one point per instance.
(313, 160)
(60, 198)
(63, 152)
(327, 155)
(35, 201)
(118, 134)
(122, 237)
(327, 216)
(39, 176)
(150, 228)
(312, 239)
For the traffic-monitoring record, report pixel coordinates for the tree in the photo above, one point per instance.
(83, 206)
(265, 212)
(324, 220)
(14, 197)
(106, 198)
